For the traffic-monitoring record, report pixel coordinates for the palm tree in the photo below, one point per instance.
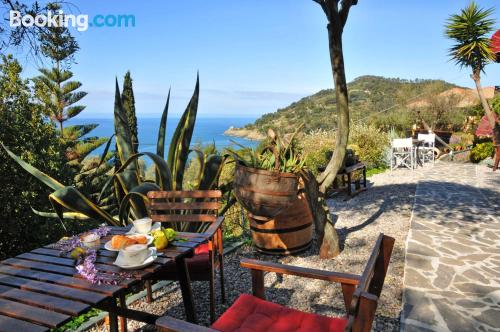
(471, 30)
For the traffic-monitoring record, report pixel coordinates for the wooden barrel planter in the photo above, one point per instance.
(264, 193)
(289, 232)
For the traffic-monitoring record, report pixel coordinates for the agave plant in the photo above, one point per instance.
(279, 154)
(129, 187)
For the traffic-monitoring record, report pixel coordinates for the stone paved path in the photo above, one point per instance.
(452, 267)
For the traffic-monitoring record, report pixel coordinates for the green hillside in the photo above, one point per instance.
(368, 96)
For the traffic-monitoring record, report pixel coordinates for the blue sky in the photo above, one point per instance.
(255, 56)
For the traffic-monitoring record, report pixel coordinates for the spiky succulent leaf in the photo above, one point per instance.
(201, 161)
(160, 146)
(471, 31)
(211, 172)
(66, 215)
(104, 155)
(130, 175)
(71, 199)
(181, 141)
(137, 198)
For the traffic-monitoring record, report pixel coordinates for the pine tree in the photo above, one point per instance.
(58, 95)
(54, 88)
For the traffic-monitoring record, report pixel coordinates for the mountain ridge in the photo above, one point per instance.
(369, 95)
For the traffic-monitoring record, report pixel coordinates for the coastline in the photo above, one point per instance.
(249, 134)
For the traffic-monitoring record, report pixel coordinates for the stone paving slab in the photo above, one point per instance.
(452, 262)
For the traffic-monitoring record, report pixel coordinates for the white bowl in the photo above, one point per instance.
(91, 240)
(142, 226)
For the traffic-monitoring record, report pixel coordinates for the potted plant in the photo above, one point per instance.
(266, 179)
(267, 185)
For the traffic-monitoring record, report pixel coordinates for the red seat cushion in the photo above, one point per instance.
(201, 249)
(251, 314)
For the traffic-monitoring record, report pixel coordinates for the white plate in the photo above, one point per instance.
(108, 246)
(154, 227)
(150, 259)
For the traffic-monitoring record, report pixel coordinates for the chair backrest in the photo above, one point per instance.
(398, 143)
(184, 206)
(365, 297)
(427, 138)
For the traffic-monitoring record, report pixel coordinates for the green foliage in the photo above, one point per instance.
(317, 147)
(76, 322)
(373, 171)
(471, 31)
(462, 139)
(56, 42)
(278, 154)
(58, 95)
(369, 143)
(482, 151)
(26, 133)
(442, 111)
(495, 104)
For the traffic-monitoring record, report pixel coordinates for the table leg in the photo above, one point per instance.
(187, 293)
(113, 317)
(149, 291)
(123, 320)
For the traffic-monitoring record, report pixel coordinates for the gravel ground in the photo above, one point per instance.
(385, 207)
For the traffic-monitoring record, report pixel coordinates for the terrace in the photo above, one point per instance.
(370, 206)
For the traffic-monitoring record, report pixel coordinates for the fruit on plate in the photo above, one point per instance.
(122, 241)
(160, 240)
(139, 239)
(170, 233)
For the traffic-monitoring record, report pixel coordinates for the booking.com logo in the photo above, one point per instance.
(80, 22)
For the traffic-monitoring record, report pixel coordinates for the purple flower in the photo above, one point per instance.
(67, 245)
(85, 265)
(102, 231)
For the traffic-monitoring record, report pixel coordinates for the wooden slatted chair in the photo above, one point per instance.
(254, 314)
(197, 206)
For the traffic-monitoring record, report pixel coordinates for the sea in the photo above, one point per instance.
(207, 130)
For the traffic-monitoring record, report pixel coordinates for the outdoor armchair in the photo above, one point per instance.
(254, 313)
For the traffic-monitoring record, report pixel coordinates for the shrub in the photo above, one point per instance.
(482, 151)
(369, 143)
(317, 148)
(462, 139)
(26, 133)
(495, 104)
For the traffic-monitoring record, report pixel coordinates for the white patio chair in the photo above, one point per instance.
(426, 149)
(402, 153)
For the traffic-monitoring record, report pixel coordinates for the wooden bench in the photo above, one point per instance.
(360, 295)
(346, 175)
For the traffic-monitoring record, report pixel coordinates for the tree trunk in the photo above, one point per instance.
(61, 129)
(326, 178)
(323, 223)
(476, 76)
(316, 188)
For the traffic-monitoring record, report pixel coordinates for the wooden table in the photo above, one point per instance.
(40, 290)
